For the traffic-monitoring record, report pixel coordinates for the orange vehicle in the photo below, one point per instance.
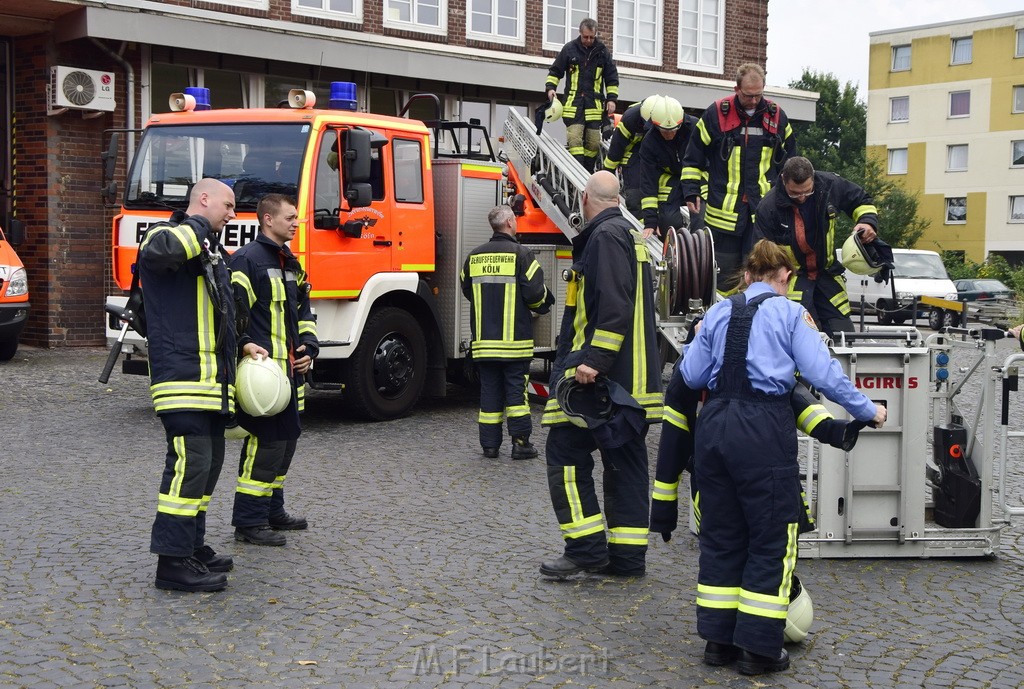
(14, 304)
(382, 235)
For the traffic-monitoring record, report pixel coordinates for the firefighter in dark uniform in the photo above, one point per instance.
(607, 330)
(591, 88)
(747, 354)
(740, 144)
(504, 283)
(661, 163)
(272, 294)
(192, 340)
(799, 213)
(623, 146)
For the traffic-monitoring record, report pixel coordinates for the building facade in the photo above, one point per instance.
(479, 57)
(946, 117)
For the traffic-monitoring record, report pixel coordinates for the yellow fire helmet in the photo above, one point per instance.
(667, 113)
(856, 258)
(261, 387)
(554, 112)
(801, 613)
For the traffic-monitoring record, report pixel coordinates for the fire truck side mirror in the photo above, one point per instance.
(357, 156)
(15, 231)
(358, 194)
(109, 156)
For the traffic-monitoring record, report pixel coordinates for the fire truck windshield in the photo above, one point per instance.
(253, 159)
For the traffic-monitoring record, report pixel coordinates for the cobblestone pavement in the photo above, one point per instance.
(419, 570)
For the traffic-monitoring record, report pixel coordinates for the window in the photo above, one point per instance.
(1017, 209)
(956, 210)
(1018, 98)
(897, 161)
(408, 171)
(962, 50)
(959, 103)
(1017, 154)
(638, 31)
(900, 58)
(562, 20)
(956, 157)
(700, 35)
(495, 20)
(1020, 43)
(417, 15)
(342, 10)
(899, 109)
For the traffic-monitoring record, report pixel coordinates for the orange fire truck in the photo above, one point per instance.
(388, 209)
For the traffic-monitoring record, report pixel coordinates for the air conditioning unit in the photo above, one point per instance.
(81, 89)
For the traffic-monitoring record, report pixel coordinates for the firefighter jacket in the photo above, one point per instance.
(503, 282)
(608, 322)
(190, 318)
(741, 156)
(626, 138)
(814, 248)
(590, 78)
(661, 165)
(272, 293)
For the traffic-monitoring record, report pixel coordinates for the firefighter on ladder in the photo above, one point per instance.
(504, 283)
(591, 88)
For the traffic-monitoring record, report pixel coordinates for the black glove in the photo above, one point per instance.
(664, 517)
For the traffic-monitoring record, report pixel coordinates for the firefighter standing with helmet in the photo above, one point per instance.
(272, 293)
(192, 339)
(623, 147)
(799, 214)
(608, 331)
(504, 283)
(746, 353)
(591, 88)
(661, 163)
(740, 144)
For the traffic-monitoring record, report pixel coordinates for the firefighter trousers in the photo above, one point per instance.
(747, 473)
(262, 468)
(583, 139)
(826, 300)
(570, 464)
(503, 397)
(195, 455)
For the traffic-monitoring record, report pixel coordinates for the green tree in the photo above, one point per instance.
(835, 140)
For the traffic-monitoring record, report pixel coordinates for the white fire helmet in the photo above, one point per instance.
(554, 112)
(261, 387)
(801, 613)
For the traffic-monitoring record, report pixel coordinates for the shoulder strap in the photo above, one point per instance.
(728, 118)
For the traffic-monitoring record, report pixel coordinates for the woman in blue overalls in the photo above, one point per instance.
(747, 353)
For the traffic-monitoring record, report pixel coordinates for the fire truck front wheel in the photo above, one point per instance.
(385, 374)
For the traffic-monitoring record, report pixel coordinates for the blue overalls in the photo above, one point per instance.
(746, 467)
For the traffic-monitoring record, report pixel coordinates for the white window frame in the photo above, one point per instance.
(892, 64)
(951, 151)
(247, 4)
(949, 109)
(355, 16)
(716, 68)
(894, 155)
(1019, 201)
(1019, 51)
(956, 222)
(659, 24)
(1017, 143)
(442, 17)
(572, 29)
(518, 39)
(1017, 99)
(892, 102)
(961, 40)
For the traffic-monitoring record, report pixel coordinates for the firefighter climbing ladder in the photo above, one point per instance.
(684, 264)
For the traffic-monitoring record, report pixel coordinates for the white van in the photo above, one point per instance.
(918, 273)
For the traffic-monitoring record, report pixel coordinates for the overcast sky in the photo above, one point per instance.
(832, 36)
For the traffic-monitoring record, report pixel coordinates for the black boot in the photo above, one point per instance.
(522, 448)
(213, 561)
(754, 664)
(288, 522)
(187, 574)
(563, 567)
(259, 535)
